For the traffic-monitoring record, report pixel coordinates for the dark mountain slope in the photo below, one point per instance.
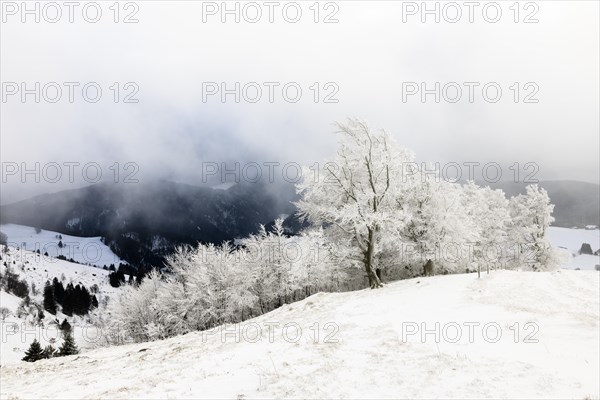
(143, 222)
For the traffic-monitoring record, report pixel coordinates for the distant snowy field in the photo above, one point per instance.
(84, 250)
(541, 342)
(571, 240)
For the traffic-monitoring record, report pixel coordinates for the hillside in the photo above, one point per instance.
(362, 352)
(143, 222)
(83, 250)
(36, 270)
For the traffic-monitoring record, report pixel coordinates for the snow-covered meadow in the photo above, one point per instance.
(534, 335)
(83, 250)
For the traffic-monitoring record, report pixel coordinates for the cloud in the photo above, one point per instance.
(367, 57)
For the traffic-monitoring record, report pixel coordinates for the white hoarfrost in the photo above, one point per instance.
(534, 335)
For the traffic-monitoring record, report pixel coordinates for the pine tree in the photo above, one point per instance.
(34, 353)
(68, 304)
(49, 299)
(116, 279)
(49, 351)
(65, 326)
(86, 300)
(68, 347)
(59, 291)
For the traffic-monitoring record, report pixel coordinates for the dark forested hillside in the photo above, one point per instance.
(143, 222)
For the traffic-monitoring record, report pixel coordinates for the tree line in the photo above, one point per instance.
(74, 299)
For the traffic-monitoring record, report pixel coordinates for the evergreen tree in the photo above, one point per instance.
(139, 278)
(49, 352)
(34, 353)
(116, 279)
(68, 305)
(59, 291)
(86, 300)
(77, 300)
(68, 347)
(49, 300)
(65, 326)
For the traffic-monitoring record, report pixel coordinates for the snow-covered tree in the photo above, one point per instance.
(318, 268)
(531, 215)
(210, 285)
(134, 309)
(439, 226)
(355, 194)
(489, 217)
(271, 259)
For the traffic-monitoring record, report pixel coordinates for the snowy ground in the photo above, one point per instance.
(571, 240)
(84, 250)
(37, 269)
(368, 350)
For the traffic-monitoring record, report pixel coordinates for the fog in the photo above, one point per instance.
(366, 64)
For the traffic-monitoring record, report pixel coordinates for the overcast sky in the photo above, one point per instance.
(369, 55)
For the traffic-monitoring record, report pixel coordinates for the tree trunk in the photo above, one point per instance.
(374, 281)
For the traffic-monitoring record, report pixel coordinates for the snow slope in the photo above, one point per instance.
(37, 269)
(366, 351)
(571, 240)
(84, 250)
